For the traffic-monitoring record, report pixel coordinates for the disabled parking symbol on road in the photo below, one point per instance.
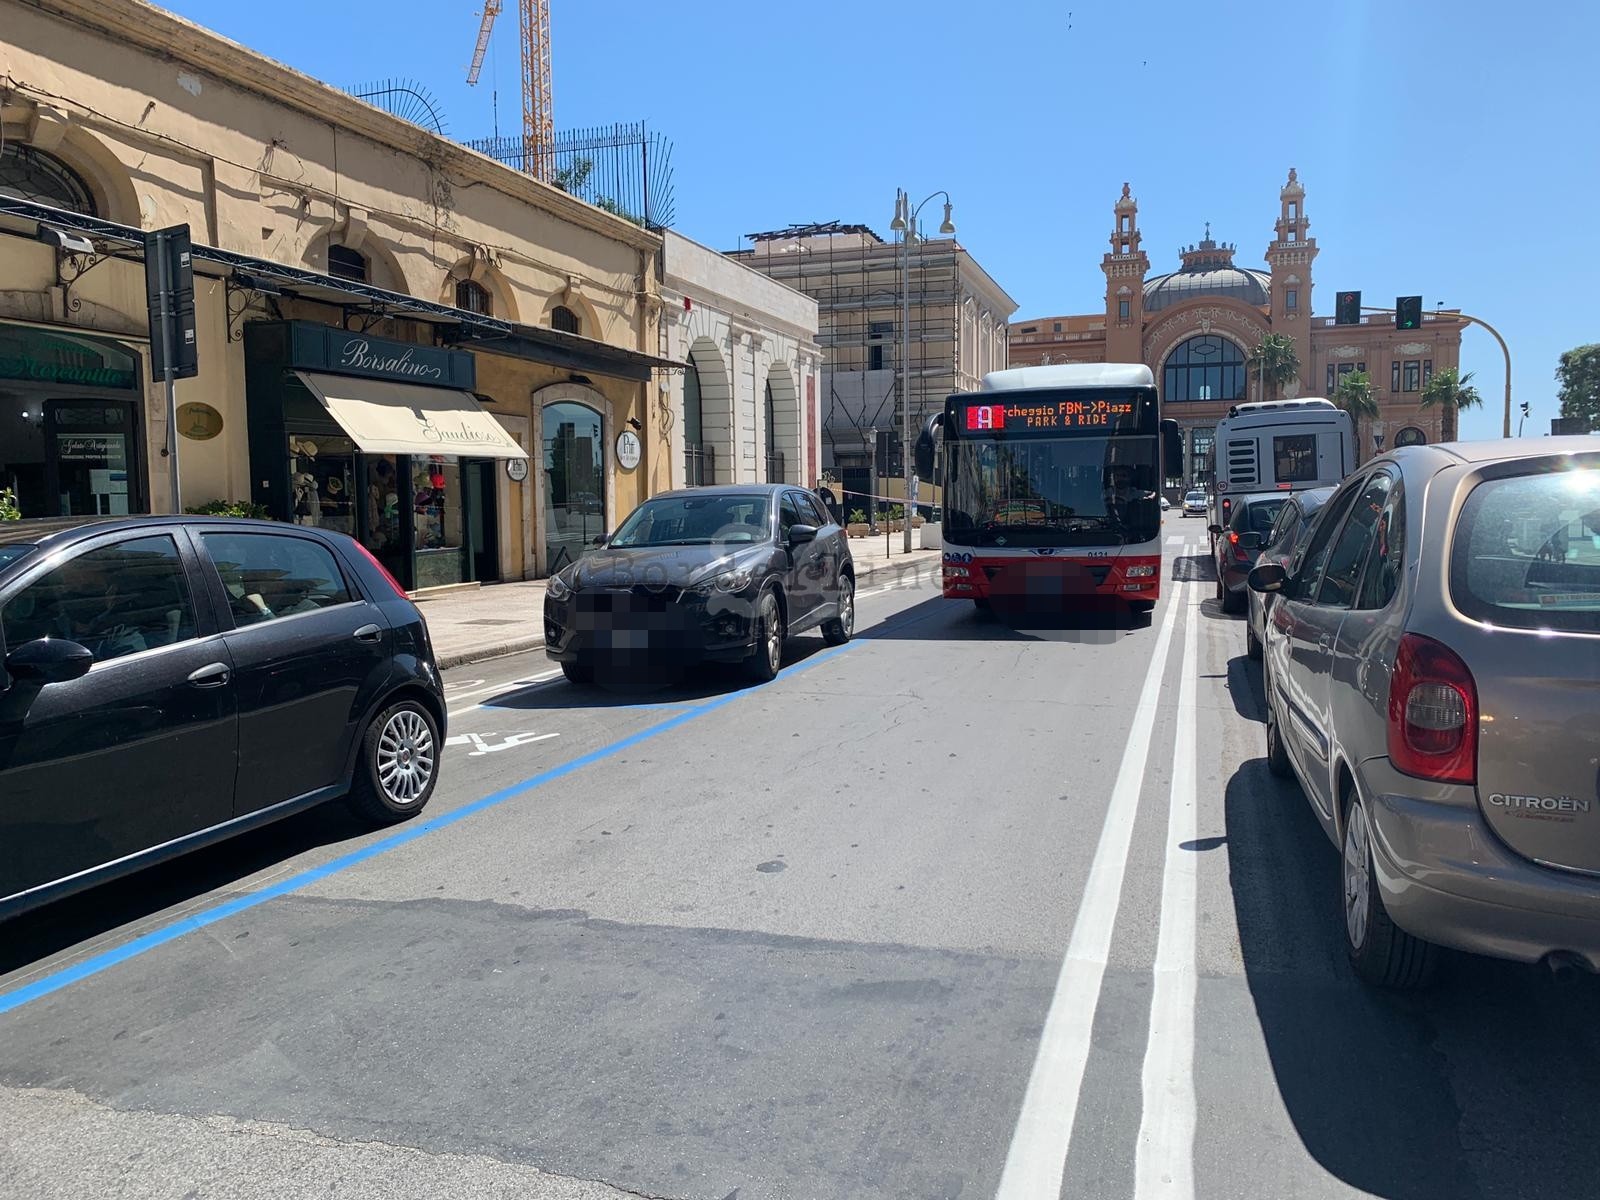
(481, 744)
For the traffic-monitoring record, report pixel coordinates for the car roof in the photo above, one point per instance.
(730, 489)
(57, 531)
(1499, 450)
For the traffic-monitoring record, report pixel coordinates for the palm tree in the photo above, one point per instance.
(1354, 395)
(1451, 391)
(1274, 361)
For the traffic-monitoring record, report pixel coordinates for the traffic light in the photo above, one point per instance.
(1408, 312)
(1348, 310)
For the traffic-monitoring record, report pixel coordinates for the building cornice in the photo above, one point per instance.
(142, 25)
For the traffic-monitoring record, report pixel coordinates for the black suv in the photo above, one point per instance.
(169, 681)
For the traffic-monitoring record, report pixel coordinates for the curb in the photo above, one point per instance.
(462, 658)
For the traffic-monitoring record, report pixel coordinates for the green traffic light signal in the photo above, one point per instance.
(1408, 312)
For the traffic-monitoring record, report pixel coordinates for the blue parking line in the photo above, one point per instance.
(67, 976)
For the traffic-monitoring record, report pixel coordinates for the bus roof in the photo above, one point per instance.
(1070, 375)
(1256, 407)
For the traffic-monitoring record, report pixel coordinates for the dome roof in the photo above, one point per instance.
(1207, 270)
(1240, 283)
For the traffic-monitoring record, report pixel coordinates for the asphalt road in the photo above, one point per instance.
(961, 909)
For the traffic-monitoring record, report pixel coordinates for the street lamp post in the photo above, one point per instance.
(905, 224)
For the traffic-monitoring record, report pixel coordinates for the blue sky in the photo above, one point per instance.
(1447, 148)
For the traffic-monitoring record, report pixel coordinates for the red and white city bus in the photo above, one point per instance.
(1052, 480)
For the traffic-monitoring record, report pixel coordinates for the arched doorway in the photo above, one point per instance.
(1204, 367)
(699, 463)
(1202, 457)
(573, 436)
(782, 421)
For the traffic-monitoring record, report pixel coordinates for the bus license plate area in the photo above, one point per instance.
(1025, 580)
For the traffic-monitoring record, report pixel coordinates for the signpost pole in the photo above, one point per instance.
(169, 371)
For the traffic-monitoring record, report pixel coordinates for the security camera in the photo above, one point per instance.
(71, 243)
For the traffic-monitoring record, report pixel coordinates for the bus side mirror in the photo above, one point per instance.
(1171, 449)
(1214, 530)
(923, 450)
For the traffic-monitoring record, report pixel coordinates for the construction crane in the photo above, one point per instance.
(491, 10)
(538, 122)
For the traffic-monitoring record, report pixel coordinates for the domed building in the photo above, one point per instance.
(1195, 329)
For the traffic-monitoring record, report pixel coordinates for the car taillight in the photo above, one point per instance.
(1433, 712)
(1239, 552)
(383, 570)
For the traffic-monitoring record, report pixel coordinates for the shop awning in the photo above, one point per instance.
(402, 418)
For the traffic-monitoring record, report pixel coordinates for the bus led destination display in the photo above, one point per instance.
(1099, 415)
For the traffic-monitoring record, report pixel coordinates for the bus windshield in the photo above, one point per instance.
(1077, 491)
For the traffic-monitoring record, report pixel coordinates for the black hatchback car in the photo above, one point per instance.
(714, 573)
(169, 681)
(1236, 544)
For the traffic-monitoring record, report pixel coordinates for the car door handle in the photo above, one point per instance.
(210, 676)
(369, 633)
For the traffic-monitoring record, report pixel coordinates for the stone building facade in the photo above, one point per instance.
(341, 256)
(1196, 327)
(746, 406)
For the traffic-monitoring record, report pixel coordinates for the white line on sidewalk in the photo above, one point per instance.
(1164, 1161)
(1037, 1160)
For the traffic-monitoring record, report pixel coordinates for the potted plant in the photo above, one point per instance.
(8, 506)
(229, 508)
(858, 526)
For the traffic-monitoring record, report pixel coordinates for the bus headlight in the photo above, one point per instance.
(1140, 572)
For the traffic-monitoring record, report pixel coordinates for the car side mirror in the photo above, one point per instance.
(1214, 530)
(1250, 541)
(799, 535)
(49, 660)
(1267, 578)
(600, 539)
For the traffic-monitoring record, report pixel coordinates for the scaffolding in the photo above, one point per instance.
(854, 276)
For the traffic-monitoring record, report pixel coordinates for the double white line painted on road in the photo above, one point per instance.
(1164, 1160)
(1037, 1160)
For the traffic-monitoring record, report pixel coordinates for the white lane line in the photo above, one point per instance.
(1176, 539)
(1164, 1162)
(1037, 1159)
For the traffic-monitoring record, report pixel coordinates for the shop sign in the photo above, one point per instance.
(341, 352)
(629, 450)
(517, 469)
(199, 422)
(87, 449)
(25, 367)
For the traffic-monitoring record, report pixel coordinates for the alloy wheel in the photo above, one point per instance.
(772, 631)
(405, 757)
(1357, 875)
(847, 608)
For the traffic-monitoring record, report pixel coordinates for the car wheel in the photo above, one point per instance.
(984, 607)
(578, 672)
(767, 656)
(838, 631)
(1381, 952)
(1232, 602)
(399, 764)
(1252, 644)
(1277, 753)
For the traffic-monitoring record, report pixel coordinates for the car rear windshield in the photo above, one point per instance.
(1258, 517)
(1527, 551)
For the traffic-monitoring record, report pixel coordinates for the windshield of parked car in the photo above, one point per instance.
(696, 521)
(1527, 551)
(10, 554)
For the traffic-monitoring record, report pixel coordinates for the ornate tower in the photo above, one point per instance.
(1125, 268)
(1289, 259)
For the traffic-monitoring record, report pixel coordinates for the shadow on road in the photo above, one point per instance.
(939, 619)
(1483, 1087)
(122, 903)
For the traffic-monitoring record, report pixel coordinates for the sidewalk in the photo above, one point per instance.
(508, 618)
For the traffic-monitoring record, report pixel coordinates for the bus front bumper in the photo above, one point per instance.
(1047, 576)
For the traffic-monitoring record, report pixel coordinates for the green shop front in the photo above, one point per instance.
(71, 420)
(383, 440)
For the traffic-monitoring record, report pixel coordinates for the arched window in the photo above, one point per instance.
(29, 174)
(1204, 368)
(473, 297)
(1410, 436)
(345, 263)
(565, 320)
(698, 464)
